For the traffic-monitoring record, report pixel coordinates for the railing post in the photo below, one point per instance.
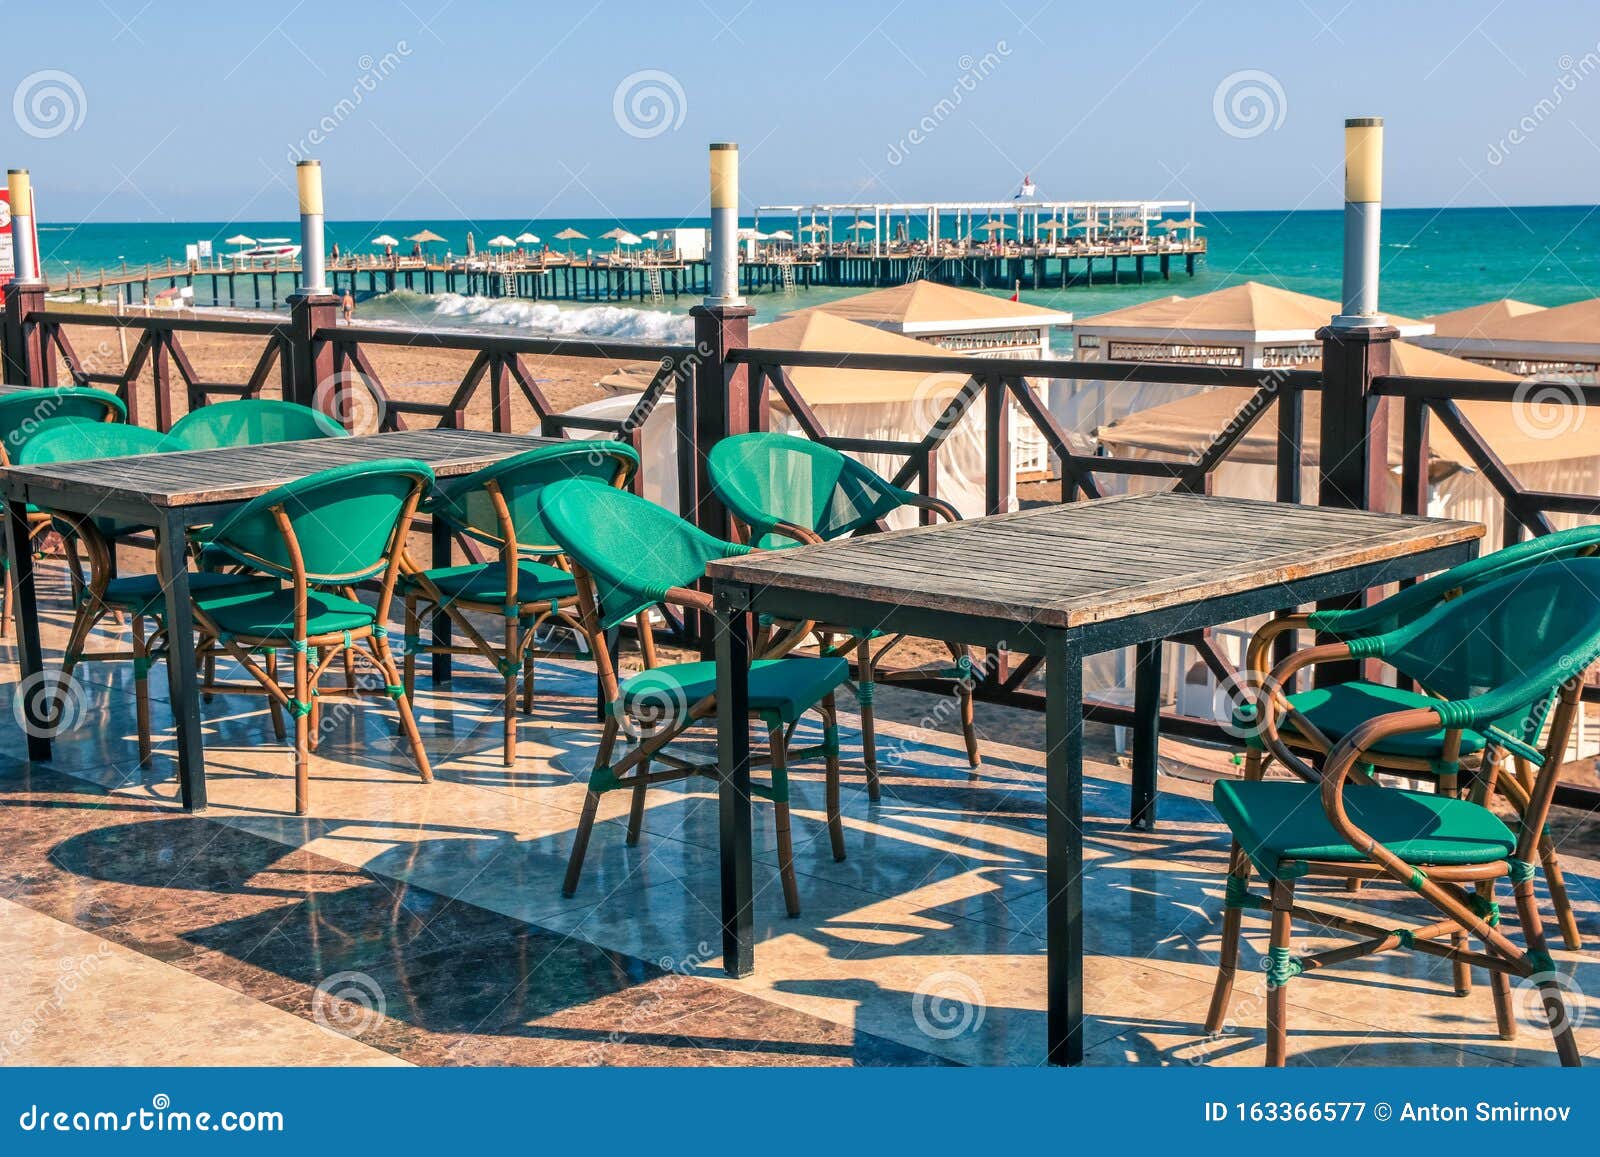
(310, 379)
(313, 381)
(24, 343)
(26, 350)
(1353, 456)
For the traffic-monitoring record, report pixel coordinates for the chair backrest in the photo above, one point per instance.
(765, 479)
(468, 503)
(25, 412)
(633, 549)
(253, 422)
(1415, 601)
(1507, 644)
(343, 521)
(87, 439)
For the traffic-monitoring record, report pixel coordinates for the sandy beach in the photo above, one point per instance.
(409, 373)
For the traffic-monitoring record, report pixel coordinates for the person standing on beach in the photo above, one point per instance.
(347, 306)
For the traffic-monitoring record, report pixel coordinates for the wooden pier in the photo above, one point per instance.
(643, 281)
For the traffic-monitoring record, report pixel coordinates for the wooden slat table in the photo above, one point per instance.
(173, 492)
(1063, 582)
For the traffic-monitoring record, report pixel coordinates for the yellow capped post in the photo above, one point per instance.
(19, 189)
(724, 225)
(308, 180)
(1363, 214)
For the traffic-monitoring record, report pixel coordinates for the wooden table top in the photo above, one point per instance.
(236, 474)
(1071, 565)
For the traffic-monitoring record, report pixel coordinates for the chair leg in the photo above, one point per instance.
(302, 733)
(1555, 1005)
(1556, 881)
(408, 720)
(591, 807)
(273, 710)
(830, 752)
(5, 607)
(141, 686)
(780, 812)
(1499, 982)
(1460, 970)
(869, 726)
(1232, 929)
(409, 659)
(1277, 984)
(527, 682)
(969, 725)
(508, 754)
(636, 806)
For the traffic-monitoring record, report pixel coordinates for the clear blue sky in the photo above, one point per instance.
(190, 111)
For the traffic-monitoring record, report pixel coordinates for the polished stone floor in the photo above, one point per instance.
(403, 923)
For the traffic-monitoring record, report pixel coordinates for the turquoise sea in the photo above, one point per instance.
(1433, 260)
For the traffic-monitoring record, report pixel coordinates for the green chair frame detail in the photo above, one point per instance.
(322, 534)
(253, 422)
(498, 506)
(1302, 739)
(628, 555)
(785, 491)
(23, 415)
(1507, 659)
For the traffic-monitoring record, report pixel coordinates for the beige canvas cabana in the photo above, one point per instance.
(1548, 449)
(847, 402)
(1252, 325)
(1526, 340)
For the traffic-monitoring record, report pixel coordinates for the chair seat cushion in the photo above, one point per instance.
(1276, 821)
(485, 582)
(785, 687)
(143, 594)
(270, 614)
(1340, 709)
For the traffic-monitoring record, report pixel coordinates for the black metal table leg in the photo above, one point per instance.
(1064, 848)
(172, 564)
(442, 547)
(25, 614)
(731, 628)
(1146, 733)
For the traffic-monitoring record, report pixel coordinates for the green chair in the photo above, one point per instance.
(321, 535)
(1318, 718)
(23, 413)
(90, 545)
(787, 491)
(1500, 657)
(629, 555)
(528, 585)
(253, 422)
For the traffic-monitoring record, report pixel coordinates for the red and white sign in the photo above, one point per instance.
(7, 262)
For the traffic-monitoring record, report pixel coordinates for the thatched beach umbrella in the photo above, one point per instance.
(992, 226)
(569, 235)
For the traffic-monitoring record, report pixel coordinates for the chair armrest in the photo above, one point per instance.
(926, 502)
(1271, 700)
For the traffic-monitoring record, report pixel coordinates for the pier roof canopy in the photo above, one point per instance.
(928, 307)
(1187, 426)
(1252, 311)
(1576, 323)
(1485, 320)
